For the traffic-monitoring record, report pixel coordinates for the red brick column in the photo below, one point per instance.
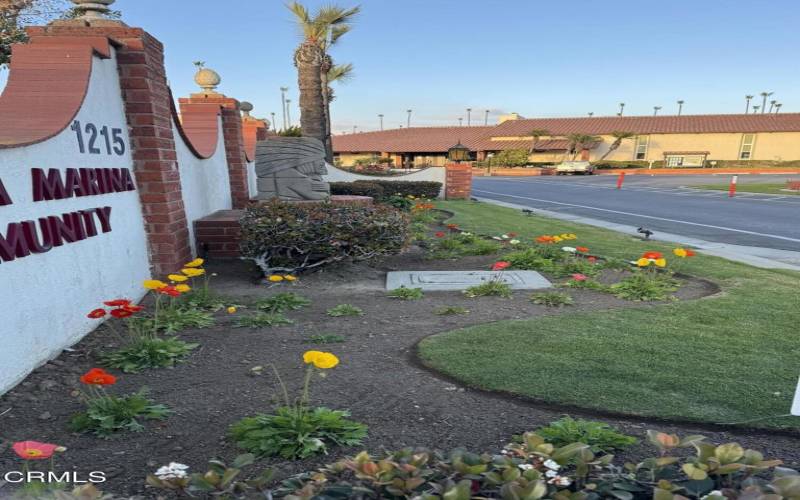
(458, 182)
(233, 136)
(254, 130)
(148, 106)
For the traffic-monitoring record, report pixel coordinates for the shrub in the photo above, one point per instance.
(531, 259)
(576, 265)
(552, 299)
(645, 286)
(404, 293)
(451, 311)
(282, 302)
(262, 320)
(403, 203)
(535, 469)
(292, 237)
(495, 288)
(345, 310)
(148, 353)
(109, 414)
(509, 158)
(358, 188)
(219, 481)
(599, 436)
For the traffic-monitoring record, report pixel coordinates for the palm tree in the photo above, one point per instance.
(755, 109)
(772, 104)
(680, 107)
(536, 134)
(778, 107)
(656, 109)
(621, 108)
(579, 142)
(764, 96)
(618, 136)
(320, 32)
(747, 108)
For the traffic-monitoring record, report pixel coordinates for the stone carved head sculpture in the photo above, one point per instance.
(291, 169)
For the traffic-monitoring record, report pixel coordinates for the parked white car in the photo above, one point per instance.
(574, 167)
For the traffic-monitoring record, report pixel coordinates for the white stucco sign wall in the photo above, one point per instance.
(796, 404)
(76, 194)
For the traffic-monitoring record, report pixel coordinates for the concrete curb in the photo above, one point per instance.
(764, 258)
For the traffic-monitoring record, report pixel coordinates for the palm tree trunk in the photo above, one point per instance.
(327, 63)
(309, 58)
(614, 146)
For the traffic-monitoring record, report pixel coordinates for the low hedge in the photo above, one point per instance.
(294, 237)
(382, 190)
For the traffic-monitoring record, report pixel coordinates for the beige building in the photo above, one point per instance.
(674, 141)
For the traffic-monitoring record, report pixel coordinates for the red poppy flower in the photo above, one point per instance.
(582, 249)
(34, 450)
(652, 255)
(439, 234)
(499, 266)
(97, 314)
(579, 277)
(690, 253)
(117, 303)
(98, 376)
(169, 290)
(591, 259)
(132, 308)
(121, 313)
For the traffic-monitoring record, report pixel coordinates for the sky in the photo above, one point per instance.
(537, 58)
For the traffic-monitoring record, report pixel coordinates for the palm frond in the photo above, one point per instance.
(338, 31)
(341, 73)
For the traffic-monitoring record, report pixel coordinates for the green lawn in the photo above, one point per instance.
(728, 358)
(765, 188)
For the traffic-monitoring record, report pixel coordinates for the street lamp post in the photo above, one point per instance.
(283, 102)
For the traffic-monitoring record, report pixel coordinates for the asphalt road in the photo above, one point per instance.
(662, 203)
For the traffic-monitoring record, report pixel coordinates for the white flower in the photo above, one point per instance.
(172, 471)
(514, 242)
(525, 466)
(560, 481)
(465, 233)
(551, 473)
(552, 464)
(569, 249)
(497, 238)
(504, 236)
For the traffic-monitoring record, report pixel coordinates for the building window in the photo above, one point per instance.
(674, 161)
(746, 150)
(642, 142)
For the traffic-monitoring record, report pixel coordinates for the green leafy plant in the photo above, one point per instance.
(491, 288)
(345, 310)
(645, 286)
(587, 284)
(295, 430)
(107, 414)
(202, 298)
(282, 302)
(576, 265)
(598, 435)
(173, 318)
(451, 311)
(326, 338)
(263, 320)
(531, 259)
(219, 481)
(148, 353)
(400, 202)
(292, 237)
(552, 299)
(404, 293)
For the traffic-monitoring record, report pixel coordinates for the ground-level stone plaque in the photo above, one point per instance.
(461, 280)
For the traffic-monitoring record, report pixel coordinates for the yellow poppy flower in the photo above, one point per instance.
(310, 356)
(183, 288)
(179, 278)
(275, 278)
(154, 284)
(680, 252)
(195, 263)
(193, 272)
(661, 262)
(558, 239)
(325, 361)
(289, 277)
(231, 310)
(643, 262)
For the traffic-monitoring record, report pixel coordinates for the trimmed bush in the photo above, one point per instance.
(382, 190)
(358, 188)
(294, 237)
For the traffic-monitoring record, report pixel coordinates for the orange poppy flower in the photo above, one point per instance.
(169, 290)
(545, 239)
(98, 376)
(97, 314)
(499, 266)
(34, 450)
(582, 249)
(652, 255)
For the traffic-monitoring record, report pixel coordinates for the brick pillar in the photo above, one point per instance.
(233, 137)
(253, 130)
(458, 182)
(148, 106)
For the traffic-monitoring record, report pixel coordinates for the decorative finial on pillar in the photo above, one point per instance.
(246, 108)
(207, 79)
(93, 9)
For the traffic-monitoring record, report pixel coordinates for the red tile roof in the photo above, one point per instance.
(440, 139)
(687, 124)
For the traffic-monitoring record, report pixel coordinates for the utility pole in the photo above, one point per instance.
(486, 118)
(283, 102)
(469, 117)
(380, 117)
(621, 108)
(680, 107)
(288, 112)
(408, 121)
(656, 110)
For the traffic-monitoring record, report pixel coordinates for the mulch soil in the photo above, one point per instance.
(379, 380)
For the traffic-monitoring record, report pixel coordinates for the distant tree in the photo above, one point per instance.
(579, 142)
(536, 134)
(15, 14)
(618, 136)
(293, 131)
